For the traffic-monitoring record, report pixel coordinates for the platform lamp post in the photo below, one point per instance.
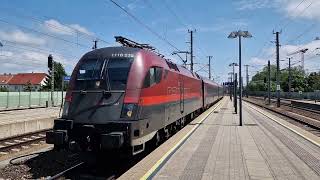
(233, 35)
(234, 86)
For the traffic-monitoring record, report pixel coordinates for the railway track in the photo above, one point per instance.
(291, 113)
(295, 105)
(21, 142)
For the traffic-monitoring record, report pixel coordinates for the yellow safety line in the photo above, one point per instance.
(160, 161)
(282, 124)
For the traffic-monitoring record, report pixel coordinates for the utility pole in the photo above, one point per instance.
(278, 68)
(269, 82)
(235, 93)
(289, 77)
(191, 49)
(247, 78)
(95, 44)
(209, 66)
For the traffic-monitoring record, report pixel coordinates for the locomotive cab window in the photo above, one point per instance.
(103, 74)
(153, 77)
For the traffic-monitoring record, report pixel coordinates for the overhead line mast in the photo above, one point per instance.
(278, 67)
(191, 49)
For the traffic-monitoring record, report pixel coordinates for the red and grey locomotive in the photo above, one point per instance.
(120, 98)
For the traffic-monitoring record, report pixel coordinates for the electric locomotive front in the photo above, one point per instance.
(101, 105)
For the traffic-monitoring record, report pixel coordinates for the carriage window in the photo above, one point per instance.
(153, 77)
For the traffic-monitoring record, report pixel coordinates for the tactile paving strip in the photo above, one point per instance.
(196, 165)
(304, 155)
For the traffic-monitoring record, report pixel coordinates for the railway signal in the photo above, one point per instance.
(50, 62)
(51, 71)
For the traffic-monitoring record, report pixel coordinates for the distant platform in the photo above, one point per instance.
(18, 122)
(213, 146)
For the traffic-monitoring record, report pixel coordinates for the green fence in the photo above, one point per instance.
(293, 95)
(29, 99)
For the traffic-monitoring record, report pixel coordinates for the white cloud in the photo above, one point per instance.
(55, 26)
(258, 61)
(311, 58)
(21, 37)
(308, 9)
(27, 61)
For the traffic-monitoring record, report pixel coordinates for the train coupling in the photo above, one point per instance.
(56, 137)
(113, 140)
(59, 134)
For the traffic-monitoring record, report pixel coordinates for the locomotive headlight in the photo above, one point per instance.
(127, 110)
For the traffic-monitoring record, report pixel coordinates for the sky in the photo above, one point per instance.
(30, 30)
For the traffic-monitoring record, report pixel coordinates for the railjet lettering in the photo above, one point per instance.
(122, 55)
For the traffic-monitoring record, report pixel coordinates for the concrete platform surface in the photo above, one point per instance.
(261, 149)
(19, 122)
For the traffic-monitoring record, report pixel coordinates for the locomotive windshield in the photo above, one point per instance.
(90, 70)
(117, 72)
(109, 74)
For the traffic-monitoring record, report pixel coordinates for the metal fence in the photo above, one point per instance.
(287, 95)
(11, 100)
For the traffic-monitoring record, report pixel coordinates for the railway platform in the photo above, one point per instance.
(18, 122)
(213, 146)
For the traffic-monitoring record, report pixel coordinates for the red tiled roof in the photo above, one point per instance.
(4, 78)
(24, 78)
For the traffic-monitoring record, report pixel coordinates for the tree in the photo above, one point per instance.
(259, 81)
(313, 81)
(28, 86)
(59, 73)
(298, 79)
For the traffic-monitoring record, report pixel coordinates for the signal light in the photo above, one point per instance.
(50, 62)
